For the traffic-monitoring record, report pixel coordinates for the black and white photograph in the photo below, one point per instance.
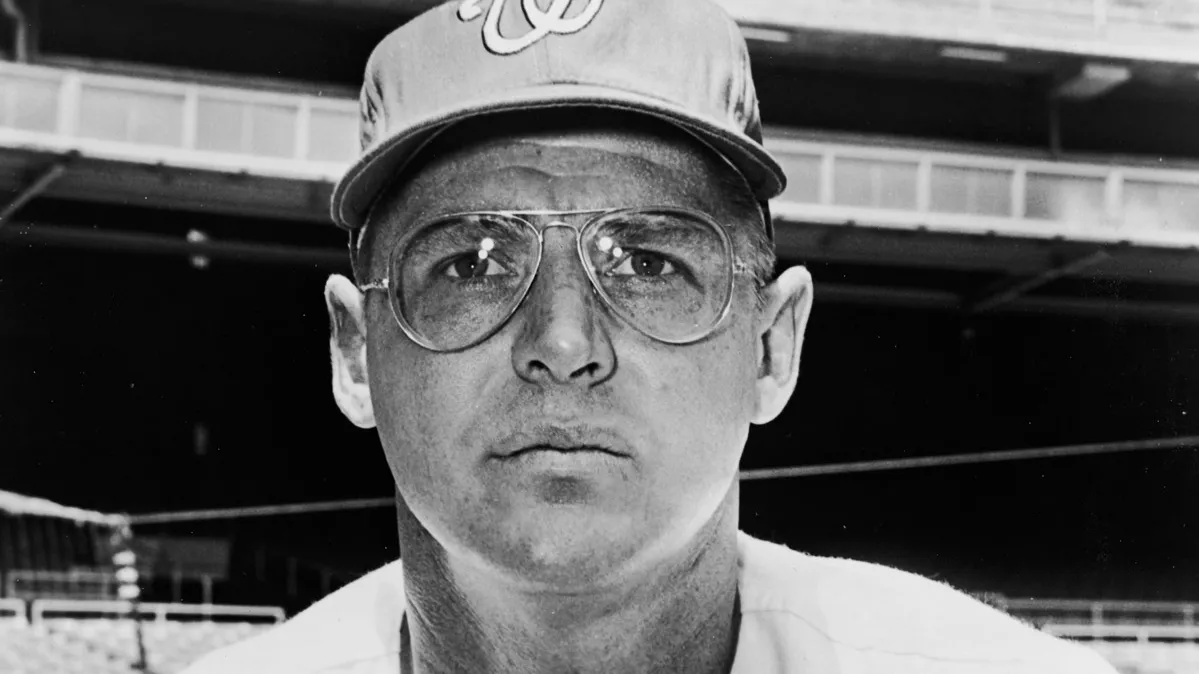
(599, 337)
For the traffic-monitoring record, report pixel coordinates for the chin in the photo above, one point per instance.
(568, 551)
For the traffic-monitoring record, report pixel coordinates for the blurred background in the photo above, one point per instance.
(998, 199)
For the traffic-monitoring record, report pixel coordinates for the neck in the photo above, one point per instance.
(679, 617)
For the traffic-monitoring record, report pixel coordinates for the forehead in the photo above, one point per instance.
(604, 163)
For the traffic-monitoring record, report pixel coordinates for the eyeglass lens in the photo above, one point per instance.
(668, 273)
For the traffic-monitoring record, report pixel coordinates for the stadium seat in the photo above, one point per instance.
(108, 646)
(1130, 657)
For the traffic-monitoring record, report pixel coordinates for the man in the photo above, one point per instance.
(562, 324)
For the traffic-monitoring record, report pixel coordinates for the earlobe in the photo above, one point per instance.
(347, 351)
(784, 318)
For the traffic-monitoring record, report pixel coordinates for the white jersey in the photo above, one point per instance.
(800, 614)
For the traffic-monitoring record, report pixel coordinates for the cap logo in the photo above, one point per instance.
(552, 20)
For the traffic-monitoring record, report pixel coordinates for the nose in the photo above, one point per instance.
(562, 339)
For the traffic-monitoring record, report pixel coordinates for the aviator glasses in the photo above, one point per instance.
(455, 280)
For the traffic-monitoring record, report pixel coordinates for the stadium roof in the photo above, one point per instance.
(1110, 29)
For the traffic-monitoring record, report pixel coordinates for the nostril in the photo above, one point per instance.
(588, 370)
(560, 365)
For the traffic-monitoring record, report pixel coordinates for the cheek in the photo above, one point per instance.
(425, 406)
(716, 376)
(699, 406)
(395, 377)
(707, 393)
(418, 401)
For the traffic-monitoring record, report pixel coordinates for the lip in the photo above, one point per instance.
(579, 449)
(572, 439)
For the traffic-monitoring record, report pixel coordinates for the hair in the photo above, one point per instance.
(754, 247)
(362, 240)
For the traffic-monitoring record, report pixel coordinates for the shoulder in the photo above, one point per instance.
(348, 630)
(850, 613)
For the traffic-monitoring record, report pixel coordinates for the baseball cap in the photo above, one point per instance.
(681, 61)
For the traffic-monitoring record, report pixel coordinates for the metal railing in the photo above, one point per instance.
(12, 608)
(1159, 30)
(176, 123)
(1139, 633)
(837, 183)
(29, 584)
(40, 609)
(1072, 613)
(180, 126)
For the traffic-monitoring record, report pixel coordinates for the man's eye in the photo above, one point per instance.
(642, 263)
(471, 265)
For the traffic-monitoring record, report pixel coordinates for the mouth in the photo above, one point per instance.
(564, 440)
(573, 449)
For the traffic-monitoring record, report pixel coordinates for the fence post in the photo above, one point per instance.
(303, 126)
(68, 104)
(191, 113)
(827, 170)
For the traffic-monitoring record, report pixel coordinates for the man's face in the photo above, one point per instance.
(641, 439)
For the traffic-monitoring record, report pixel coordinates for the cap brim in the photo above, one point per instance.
(358, 188)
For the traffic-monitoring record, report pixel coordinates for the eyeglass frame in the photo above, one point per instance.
(734, 264)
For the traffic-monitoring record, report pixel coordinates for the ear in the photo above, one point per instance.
(783, 320)
(347, 350)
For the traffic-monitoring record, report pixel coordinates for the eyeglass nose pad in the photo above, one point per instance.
(578, 231)
(560, 223)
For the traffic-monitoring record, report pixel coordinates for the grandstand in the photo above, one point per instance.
(54, 620)
(89, 641)
(999, 200)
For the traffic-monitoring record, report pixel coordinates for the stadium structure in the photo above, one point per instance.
(998, 199)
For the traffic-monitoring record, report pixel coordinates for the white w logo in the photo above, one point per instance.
(550, 21)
